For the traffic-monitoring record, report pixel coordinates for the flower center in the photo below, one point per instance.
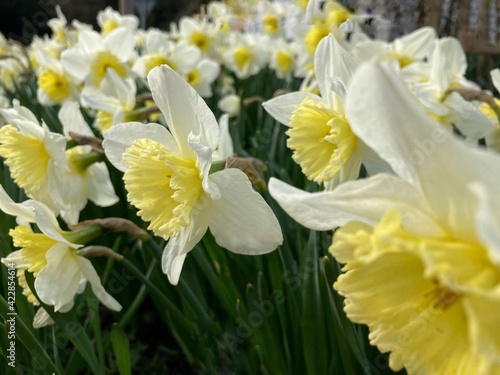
(108, 26)
(34, 247)
(194, 77)
(403, 60)
(314, 36)
(321, 140)
(284, 61)
(337, 17)
(55, 85)
(242, 56)
(164, 187)
(26, 157)
(200, 40)
(157, 59)
(271, 24)
(101, 64)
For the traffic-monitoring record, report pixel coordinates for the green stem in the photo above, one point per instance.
(217, 166)
(84, 234)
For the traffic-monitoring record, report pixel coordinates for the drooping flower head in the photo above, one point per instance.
(52, 256)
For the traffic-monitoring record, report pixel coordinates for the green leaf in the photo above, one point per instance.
(121, 348)
(28, 340)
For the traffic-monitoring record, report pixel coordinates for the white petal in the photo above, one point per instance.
(121, 43)
(363, 200)
(416, 44)
(122, 89)
(469, 119)
(96, 99)
(87, 269)
(225, 148)
(418, 149)
(203, 163)
(331, 60)
(57, 282)
(72, 120)
(47, 222)
(76, 62)
(42, 319)
(185, 111)
(241, 220)
(282, 107)
(12, 208)
(495, 77)
(18, 114)
(455, 55)
(121, 136)
(210, 69)
(100, 190)
(16, 258)
(177, 247)
(488, 221)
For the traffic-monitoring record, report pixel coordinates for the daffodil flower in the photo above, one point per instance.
(407, 50)
(167, 176)
(34, 155)
(318, 129)
(52, 256)
(421, 248)
(114, 100)
(447, 67)
(39, 163)
(159, 49)
(89, 59)
(109, 20)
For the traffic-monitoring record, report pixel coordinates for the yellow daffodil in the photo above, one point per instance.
(166, 174)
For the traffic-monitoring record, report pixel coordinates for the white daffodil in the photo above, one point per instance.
(33, 154)
(283, 57)
(159, 50)
(245, 55)
(409, 49)
(55, 86)
(202, 77)
(39, 163)
(493, 138)
(421, 249)
(89, 59)
(87, 177)
(230, 104)
(319, 133)
(271, 18)
(166, 174)
(109, 20)
(447, 66)
(114, 100)
(52, 256)
(200, 34)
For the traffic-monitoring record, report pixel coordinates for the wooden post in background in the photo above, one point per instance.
(127, 6)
